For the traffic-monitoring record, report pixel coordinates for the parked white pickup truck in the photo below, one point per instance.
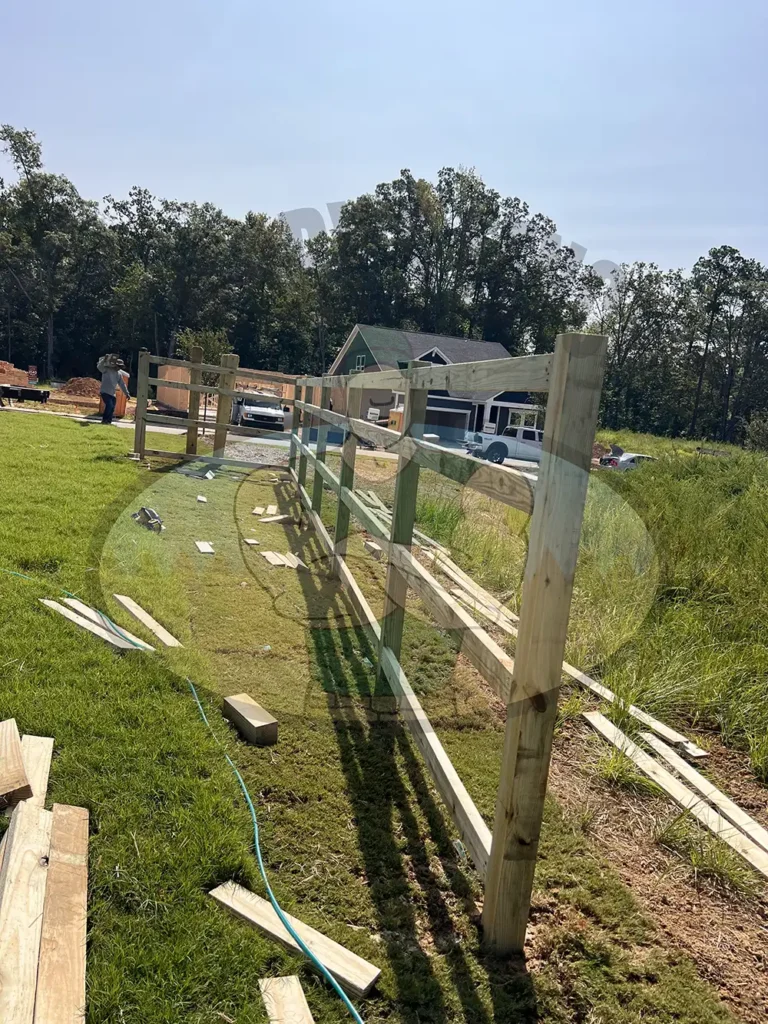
(513, 443)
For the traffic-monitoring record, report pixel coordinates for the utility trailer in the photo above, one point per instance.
(21, 394)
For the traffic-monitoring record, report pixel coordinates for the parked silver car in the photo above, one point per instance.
(625, 461)
(258, 410)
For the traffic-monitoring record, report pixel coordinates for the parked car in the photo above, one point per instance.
(258, 410)
(625, 461)
(513, 443)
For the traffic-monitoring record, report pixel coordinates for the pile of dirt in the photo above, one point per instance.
(86, 386)
(9, 374)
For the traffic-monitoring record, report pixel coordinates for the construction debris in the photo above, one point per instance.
(250, 541)
(285, 1001)
(146, 620)
(201, 497)
(373, 549)
(149, 518)
(250, 719)
(105, 622)
(273, 557)
(14, 784)
(87, 387)
(84, 623)
(37, 752)
(275, 519)
(210, 475)
(293, 561)
(353, 973)
(258, 511)
(204, 547)
(271, 510)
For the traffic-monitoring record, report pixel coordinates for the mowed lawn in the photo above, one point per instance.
(355, 839)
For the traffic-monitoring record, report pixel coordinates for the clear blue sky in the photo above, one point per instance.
(640, 128)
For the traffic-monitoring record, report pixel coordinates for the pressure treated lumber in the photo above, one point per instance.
(202, 497)
(271, 510)
(353, 973)
(146, 619)
(37, 752)
(273, 557)
(320, 452)
(373, 549)
(250, 719)
(694, 803)
(293, 561)
(90, 613)
(14, 783)
(61, 973)
(726, 806)
(258, 511)
(275, 519)
(346, 478)
(569, 432)
(204, 547)
(250, 541)
(193, 401)
(22, 898)
(91, 627)
(285, 1001)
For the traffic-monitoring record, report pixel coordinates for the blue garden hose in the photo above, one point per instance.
(256, 843)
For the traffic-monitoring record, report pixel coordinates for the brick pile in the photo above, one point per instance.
(9, 374)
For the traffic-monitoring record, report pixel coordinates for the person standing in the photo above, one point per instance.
(112, 378)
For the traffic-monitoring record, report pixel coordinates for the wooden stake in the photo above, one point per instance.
(146, 620)
(569, 432)
(346, 477)
(230, 362)
(142, 396)
(193, 409)
(295, 417)
(14, 784)
(320, 452)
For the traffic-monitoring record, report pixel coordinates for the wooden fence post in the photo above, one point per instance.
(295, 417)
(403, 516)
(569, 432)
(193, 409)
(346, 475)
(142, 395)
(322, 443)
(306, 430)
(230, 362)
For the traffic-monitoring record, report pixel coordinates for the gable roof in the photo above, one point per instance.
(389, 347)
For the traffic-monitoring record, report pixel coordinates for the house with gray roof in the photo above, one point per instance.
(450, 414)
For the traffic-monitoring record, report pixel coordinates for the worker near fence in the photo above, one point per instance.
(112, 377)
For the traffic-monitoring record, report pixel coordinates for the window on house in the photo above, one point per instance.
(360, 361)
(530, 419)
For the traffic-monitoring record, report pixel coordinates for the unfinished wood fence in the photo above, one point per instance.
(529, 685)
(227, 371)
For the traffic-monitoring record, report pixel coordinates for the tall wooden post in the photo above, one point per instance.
(230, 362)
(296, 416)
(306, 430)
(403, 516)
(569, 432)
(193, 408)
(346, 475)
(322, 444)
(142, 396)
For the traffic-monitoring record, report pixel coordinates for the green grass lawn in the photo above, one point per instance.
(355, 839)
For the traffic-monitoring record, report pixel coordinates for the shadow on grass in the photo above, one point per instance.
(411, 892)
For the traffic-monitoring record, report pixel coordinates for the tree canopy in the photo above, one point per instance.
(688, 350)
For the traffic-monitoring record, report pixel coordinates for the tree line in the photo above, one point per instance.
(688, 351)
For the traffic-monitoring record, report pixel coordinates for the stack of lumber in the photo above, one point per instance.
(43, 891)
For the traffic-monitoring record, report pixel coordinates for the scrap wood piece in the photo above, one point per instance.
(250, 719)
(275, 519)
(146, 619)
(271, 510)
(273, 557)
(285, 1001)
(293, 561)
(258, 511)
(80, 620)
(204, 547)
(22, 897)
(688, 800)
(60, 995)
(210, 475)
(373, 548)
(95, 616)
(37, 752)
(353, 973)
(251, 541)
(202, 497)
(724, 804)
(14, 781)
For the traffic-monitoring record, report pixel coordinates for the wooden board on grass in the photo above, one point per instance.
(353, 973)
(14, 782)
(275, 519)
(258, 511)
(293, 561)
(202, 497)
(273, 557)
(37, 752)
(271, 510)
(86, 624)
(22, 897)
(94, 616)
(250, 719)
(204, 547)
(61, 973)
(250, 541)
(146, 620)
(285, 1001)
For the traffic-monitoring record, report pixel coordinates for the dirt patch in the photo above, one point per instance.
(726, 937)
(88, 387)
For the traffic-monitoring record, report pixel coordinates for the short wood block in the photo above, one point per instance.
(250, 719)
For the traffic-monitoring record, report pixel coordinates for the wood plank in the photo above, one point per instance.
(91, 627)
(202, 497)
(251, 541)
(293, 561)
(243, 372)
(373, 549)
(250, 719)
(22, 896)
(692, 802)
(273, 557)
(294, 436)
(365, 515)
(271, 510)
(91, 613)
(473, 830)
(346, 478)
(142, 396)
(146, 619)
(353, 973)
(285, 1001)
(320, 452)
(207, 459)
(61, 972)
(37, 752)
(258, 511)
(193, 401)
(276, 519)
(724, 804)
(204, 547)
(14, 782)
(566, 458)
